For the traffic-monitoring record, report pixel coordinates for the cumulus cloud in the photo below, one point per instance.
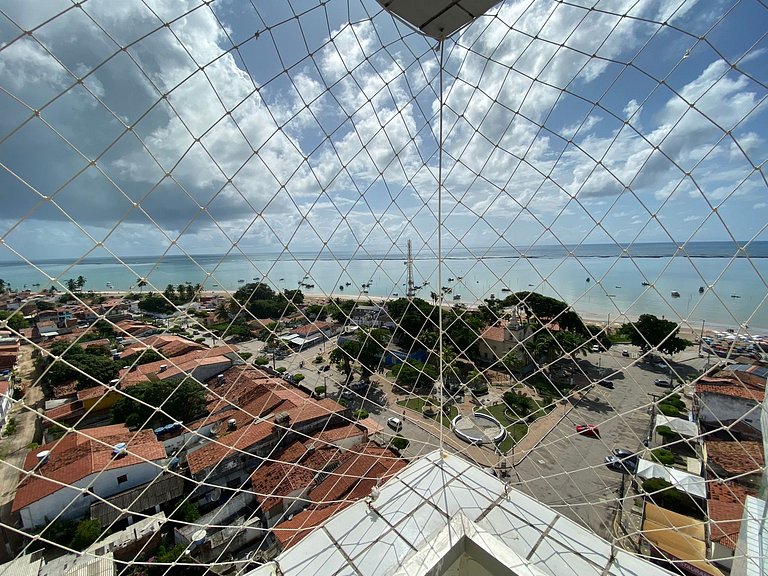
(174, 137)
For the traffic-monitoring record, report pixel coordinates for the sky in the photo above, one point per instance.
(146, 127)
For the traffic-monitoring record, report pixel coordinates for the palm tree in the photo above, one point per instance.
(80, 282)
(140, 282)
(71, 285)
(2, 285)
(222, 312)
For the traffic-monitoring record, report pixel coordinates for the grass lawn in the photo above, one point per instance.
(515, 432)
(418, 403)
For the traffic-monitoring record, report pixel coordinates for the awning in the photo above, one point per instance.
(683, 481)
(682, 427)
(679, 539)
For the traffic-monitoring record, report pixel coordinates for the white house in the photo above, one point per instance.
(70, 473)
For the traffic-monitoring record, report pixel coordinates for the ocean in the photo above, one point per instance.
(600, 281)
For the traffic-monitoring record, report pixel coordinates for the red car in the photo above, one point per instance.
(588, 430)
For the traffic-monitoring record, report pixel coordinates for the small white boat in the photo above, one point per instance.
(675, 294)
(109, 286)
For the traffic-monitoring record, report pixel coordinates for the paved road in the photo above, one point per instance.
(566, 471)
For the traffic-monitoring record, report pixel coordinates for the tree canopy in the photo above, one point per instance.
(95, 361)
(650, 332)
(262, 302)
(179, 402)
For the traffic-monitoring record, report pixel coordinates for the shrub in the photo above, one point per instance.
(86, 533)
(663, 456)
(669, 409)
(320, 389)
(261, 360)
(298, 377)
(360, 414)
(187, 512)
(245, 355)
(282, 369)
(318, 359)
(667, 433)
(200, 340)
(400, 443)
(663, 494)
(10, 427)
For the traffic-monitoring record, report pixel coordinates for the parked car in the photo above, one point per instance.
(588, 430)
(605, 384)
(348, 394)
(624, 454)
(620, 465)
(625, 353)
(662, 383)
(395, 423)
(595, 348)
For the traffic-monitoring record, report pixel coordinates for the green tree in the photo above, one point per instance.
(650, 332)
(16, 320)
(170, 293)
(80, 282)
(182, 402)
(2, 286)
(155, 304)
(400, 443)
(141, 283)
(415, 374)
(519, 404)
(86, 533)
(71, 284)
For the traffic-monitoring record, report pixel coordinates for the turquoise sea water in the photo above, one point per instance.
(735, 286)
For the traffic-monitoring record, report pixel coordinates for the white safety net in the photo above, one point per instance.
(257, 256)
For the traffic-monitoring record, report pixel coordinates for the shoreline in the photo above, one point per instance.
(687, 329)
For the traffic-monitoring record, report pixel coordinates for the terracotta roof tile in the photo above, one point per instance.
(92, 392)
(273, 481)
(78, 455)
(359, 463)
(735, 457)
(291, 532)
(493, 333)
(242, 439)
(726, 384)
(726, 508)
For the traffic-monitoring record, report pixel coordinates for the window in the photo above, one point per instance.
(123, 478)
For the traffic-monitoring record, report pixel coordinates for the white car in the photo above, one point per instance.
(395, 423)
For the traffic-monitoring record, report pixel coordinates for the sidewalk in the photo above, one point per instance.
(486, 455)
(14, 448)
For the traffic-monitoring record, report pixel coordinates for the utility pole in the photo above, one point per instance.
(701, 336)
(654, 397)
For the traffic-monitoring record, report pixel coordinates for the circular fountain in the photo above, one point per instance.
(478, 428)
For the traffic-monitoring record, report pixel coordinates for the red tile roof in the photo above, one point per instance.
(310, 328)
(726, 508)
(736, 457)
(185, 363)
(273, 481)
(361, 462)
(493, 333)
(167, 345)
(66, 389)
(291, 532)
(80, 454)
(242, 439)
(726, 385)
(64, 411)
(92, 392)
(341, 433)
